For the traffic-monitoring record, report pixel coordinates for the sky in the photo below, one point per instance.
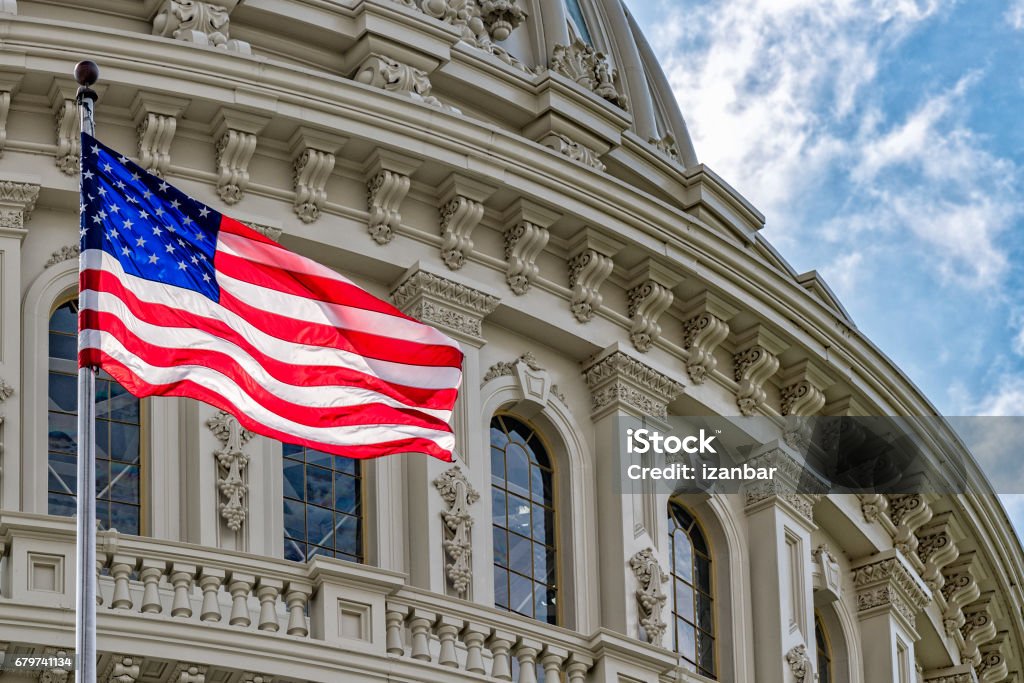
(884, 142)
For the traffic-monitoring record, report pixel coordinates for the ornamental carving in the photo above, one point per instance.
(311, 169)
(959, 590)
(799, 663)
(459, 217)
(979, 628)
(122, 669)
(827, 574)
(65, 253)
(459, 495)
(568, 147)
(936, 550)
(384, 194)
(587, 272)
(752, 368)
(618, 381)
(589, 68)
(874, 506)
(802, 399)
(993, 667)
(69, 142)
(232, 463)
(17, 201)
(793, 484)
(668, 148)
(188, 673)
(481, 23)
(198, 22)
(268, 231)
(508, 369)
(381, 71)
(156, 131)
(647, 301)
(908, 513)
(701, 336)
(439, 301)
(650, 597)
(889, 583)
(524, 241)
(56, 674)
(234, 152)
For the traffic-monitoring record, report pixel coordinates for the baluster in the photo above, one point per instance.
(151, 572)
(420, 626)
(297, 599)
(526, 652)
(500, 643)
(210, 580)
(395, 620)
(267, 593)
(578, 667)
(474, 636)
(552, 661)
(121, 569)
(181, 578)
(240, 586)
(101, 562)
(447, 631)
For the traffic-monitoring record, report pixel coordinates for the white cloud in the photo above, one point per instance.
(1015, 15)
(843, 273)
(1005, 399)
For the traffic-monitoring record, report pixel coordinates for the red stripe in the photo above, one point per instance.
(340, 416)
(303, 375)
(228, 224)
(186, 388)
(295, 331)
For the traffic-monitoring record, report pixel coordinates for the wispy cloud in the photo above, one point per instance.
(1015, 15)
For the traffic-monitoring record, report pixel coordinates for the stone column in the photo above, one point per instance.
(889, 597)
(17, 199)
(780, 520)
(459, 311)
(623, 387)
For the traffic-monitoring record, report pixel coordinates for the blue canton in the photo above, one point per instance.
(152, 228)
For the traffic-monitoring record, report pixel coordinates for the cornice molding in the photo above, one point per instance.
(619, 382)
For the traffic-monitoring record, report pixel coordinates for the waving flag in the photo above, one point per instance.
(179, 300)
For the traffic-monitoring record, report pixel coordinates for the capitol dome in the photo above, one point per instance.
(518, 174)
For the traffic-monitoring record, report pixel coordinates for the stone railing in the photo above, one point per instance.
(164, 600)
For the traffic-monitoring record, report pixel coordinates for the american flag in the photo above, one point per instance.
(177, 299)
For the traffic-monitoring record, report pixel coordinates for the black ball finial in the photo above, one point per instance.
(86, 73)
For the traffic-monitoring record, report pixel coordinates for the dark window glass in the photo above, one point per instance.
(692, 608)
(322, 505)
(576, 12)
(522, 500)
(118, 435)
(824, 652)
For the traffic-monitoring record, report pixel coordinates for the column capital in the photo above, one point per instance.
(17, 200)
(795, 485)
(886, 582)
(453, 307)
(618, 381)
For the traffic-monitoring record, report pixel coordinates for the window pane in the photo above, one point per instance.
(684, 601)
(63, 431)
(543, 522)
(346, 534)
(500, 547)
(124, 442)
(692, 601)
(294, 486)
(521, 594)
(706, 650)
(124, 483)
(63, 473)
(519, 515)
(294, 520)
(703, 571)
(682, 556)
(498, 507)
(686, 640)
(520, 554)
(319, 526)
(318, 486)
(518, 463)
(346, 497)
(540, 488)
(501, 587)
(63, 393)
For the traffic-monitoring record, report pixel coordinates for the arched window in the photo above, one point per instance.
(522, 497)
(578, 21)
(323, 512)
(824, 652)
(692, 606)
(118, 439)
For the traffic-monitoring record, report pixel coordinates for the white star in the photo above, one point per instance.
(147, 194)
(157, 230)
(108, 168)
(206, 277)
(152, 258)
(163, 186)
(171, 229)
(141, 242)
(90, 197)
(131, 200)
(123, 159)
(175, 203)
(200, 237)
(125, 250)
(120, 184)
(95, 149)
(187, 221)
(81, 208)
(88, 175)
(127, 224)
(181, 242)
(102, 191)
(144, 215)
(204, 212)
(159, 211)
(181, 265)
(114, 233)
(114, 208)
(202, 256)
(96, 219)
(169, 248)
(101, 213)
(83, 232)
(195, 260)
(135, 177)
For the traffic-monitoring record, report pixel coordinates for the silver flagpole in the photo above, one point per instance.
(86, 73)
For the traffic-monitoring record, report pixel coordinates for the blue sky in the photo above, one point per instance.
(883, 140)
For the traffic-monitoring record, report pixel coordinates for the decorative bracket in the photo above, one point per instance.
(122, 669)
(451, 306)
(619, 382)
(65, 112)
(568, 147)
(232, 463)
(803, 395)
(156, 120)
(705, 327)
(826, 576)
(461, 210)
(959, 589)
(312, 163)
(799, 664)
(459, 495)
(235, 135)
(526, 235)
(650, 295)
(979, 628)
(650, 597)
(9, 83)
(756, 359)
(386, 73)
(936, 550)
(188, 673)
(908, 512)
(387, 182)
(590, 264)
(199, 22)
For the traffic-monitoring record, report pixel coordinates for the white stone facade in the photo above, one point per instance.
(537, 197)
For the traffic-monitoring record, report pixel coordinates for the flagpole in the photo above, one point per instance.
(86, 73)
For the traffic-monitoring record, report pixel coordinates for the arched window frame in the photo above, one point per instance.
(693, 662)
(507, 418)
(823, 651)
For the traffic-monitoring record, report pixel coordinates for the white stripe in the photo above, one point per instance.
(335, 315)
(422, 377)
(352, 435)
(318, 396)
